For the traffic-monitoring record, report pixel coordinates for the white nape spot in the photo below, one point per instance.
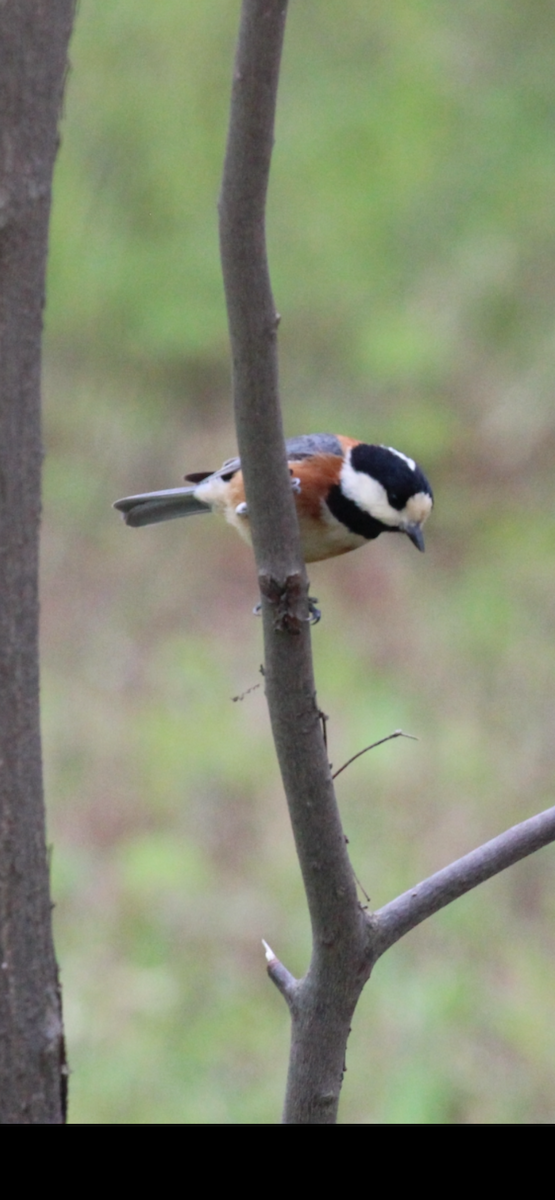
(296, 484)
(241, 510)
(368, 494)
(409, 461)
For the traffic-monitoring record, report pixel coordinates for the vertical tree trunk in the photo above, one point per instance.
(33, 45)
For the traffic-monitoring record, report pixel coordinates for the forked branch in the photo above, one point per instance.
(346, 940)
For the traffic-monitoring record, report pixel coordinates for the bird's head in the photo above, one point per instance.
(390, 488)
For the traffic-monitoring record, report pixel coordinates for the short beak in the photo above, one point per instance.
(414, 532)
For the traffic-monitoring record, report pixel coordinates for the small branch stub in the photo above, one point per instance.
(283, 979)
(268, 952)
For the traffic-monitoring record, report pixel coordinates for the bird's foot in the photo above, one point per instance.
(314, 614)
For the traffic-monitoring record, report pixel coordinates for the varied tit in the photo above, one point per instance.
(346, 494)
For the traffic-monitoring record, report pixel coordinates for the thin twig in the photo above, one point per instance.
(390, 736)
(363, 890)
(247, 693)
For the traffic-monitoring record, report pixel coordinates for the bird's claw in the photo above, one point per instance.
(314, 614)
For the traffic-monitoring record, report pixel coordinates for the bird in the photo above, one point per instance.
(346, 494)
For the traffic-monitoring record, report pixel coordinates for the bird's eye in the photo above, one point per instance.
(393, 496)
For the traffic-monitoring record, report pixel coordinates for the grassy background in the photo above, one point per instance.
(413, 252)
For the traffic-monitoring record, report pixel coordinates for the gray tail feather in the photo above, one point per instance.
(153, 507)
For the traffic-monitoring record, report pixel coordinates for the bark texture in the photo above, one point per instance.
(34, 36)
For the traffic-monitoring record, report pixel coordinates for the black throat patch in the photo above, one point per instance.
(353, 517)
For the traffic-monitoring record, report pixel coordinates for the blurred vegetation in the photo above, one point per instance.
(413, 251)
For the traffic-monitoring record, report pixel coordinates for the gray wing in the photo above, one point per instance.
(152, 507)
(229, 468)
(297, 448)
(304, 446)
(312, 443)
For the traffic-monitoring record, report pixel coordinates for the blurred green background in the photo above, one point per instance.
(411, 229)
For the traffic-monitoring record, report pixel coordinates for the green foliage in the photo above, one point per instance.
(411, 238)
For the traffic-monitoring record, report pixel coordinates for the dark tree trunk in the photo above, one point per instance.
(34, 36)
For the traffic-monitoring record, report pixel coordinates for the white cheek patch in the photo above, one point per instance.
(369, 495)
(409, 461)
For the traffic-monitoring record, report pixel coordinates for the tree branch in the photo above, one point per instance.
(401, 915)
(328, 994)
